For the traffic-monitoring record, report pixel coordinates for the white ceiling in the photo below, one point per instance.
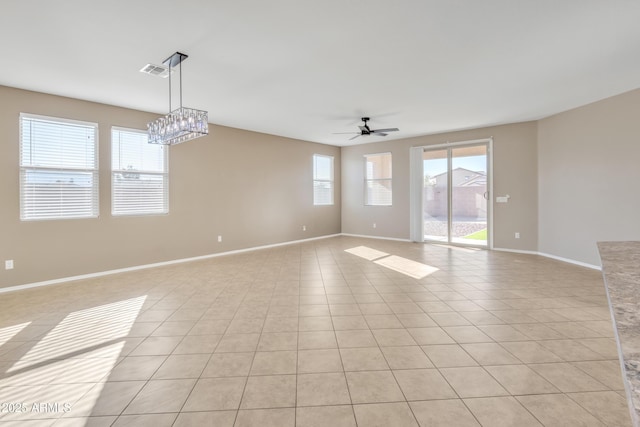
(305, 69)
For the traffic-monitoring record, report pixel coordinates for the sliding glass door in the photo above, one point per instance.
(455, 196)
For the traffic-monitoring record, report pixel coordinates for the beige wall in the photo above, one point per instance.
(251, 188)
(589, 172)
(514, 173)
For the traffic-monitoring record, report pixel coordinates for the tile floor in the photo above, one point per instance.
(336, 332)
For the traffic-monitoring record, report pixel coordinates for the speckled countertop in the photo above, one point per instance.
(621, 271)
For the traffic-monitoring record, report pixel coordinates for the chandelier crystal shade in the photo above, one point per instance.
(182, 124)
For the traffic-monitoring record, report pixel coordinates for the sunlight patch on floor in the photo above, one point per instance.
(400, 264)
(366, 253)
(406, 266)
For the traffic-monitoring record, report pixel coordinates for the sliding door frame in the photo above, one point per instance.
(416, 187)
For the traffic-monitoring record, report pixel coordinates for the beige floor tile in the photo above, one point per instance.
(363, 359)
(276, 391)
(530, 352)
(538, 331)
(427, 336)
(198, 344)
(443, 413)
(228, 365)
(211, 418)
(558, 410)
(393, 337)
(214, 394)
(448, 355)
(385, 415)
(136, 368)
(151, 420)
(490, 354)
(182, 366)
(266, 418)
(373, 387)
(570, 350)
(375, 308)
(567, 378)
(106, 421)
(172, 329)
(210, 327)
(605, 371)
(383, 321)
(156, 346)
(608, 406)
(236, 343)
(606, 347)
(159, 396)
(314, 310)
(280, 324)
(316, 323)
(355, 338)
(316, 340)
(318, 361)
(346, 323)
(423, 384)
(406, 357)
(501, 412)
(466, 334)
(322, 390)
(274, 363)
(322, 416)
(450, 318)
(245, 326)
(416, 320)
(521, 379)
(106, 399)
(501, 333)
(273, 341)
(473, 382)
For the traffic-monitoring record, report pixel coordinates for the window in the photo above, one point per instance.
(139, 174)
(58, 168)
(322, 180)
(378, 179)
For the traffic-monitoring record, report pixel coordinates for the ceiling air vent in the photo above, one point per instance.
(156, 70)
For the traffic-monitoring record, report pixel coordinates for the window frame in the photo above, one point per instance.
(368, 180)
(164, 174)
(330, 181)
(95, 171)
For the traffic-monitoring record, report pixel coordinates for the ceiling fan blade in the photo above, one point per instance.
(344, 133)
(385, 130)
(364, 129)
(354, 137)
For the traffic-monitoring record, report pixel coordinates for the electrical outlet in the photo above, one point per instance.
(304, 228)
(517, 235)
(374, 225)
(8, 264)
(219, 238)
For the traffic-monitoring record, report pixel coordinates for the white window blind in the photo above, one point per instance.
(58, 168)
(139, 175)
(378, 179)
(322, 180)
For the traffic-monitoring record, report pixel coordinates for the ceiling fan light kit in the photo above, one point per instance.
(366, 130)
(182, 124)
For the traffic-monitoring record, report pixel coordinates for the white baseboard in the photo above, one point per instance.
(557, 258)
(365, 236)
(157, 264)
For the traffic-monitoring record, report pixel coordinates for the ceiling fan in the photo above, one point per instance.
(366, 130)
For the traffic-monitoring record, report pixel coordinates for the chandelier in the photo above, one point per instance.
(182, 124)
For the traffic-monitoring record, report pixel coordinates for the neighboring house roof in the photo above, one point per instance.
(462, 177)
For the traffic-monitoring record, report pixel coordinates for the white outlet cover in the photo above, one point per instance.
(8, 264)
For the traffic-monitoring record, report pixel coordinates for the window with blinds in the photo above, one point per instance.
(58, 168)
(139, 174)
(378, 179)
(322, 180)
